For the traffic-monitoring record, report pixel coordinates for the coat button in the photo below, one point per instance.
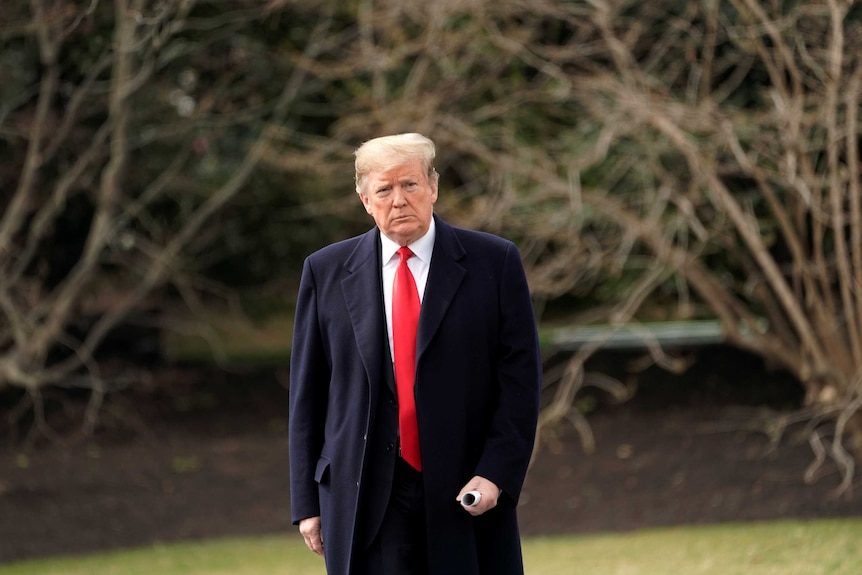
(390, 446)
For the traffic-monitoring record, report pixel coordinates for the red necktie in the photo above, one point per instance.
(405, 320)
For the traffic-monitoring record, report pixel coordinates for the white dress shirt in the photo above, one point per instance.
(419, 265)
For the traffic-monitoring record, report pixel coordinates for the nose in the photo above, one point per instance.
(398, 196)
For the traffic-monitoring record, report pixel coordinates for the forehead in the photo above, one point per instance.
(412, 169)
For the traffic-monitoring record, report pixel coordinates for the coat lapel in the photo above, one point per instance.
(444, 279)
(362, 296)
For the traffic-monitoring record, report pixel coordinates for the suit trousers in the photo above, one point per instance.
(400, 547)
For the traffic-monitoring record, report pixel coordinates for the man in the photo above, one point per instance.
(402, 405)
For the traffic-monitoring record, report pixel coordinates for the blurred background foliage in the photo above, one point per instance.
(166, 166)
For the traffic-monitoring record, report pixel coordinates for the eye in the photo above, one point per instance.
(383, 191)
(411, 185)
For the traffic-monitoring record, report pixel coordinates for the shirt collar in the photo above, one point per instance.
(421, 248)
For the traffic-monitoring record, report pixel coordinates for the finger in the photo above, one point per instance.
(315, 543)
(487, 502)
(473, 485)
(311, 534)
(484, 506)
(476, 508)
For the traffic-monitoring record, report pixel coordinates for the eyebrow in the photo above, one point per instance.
(402, 180)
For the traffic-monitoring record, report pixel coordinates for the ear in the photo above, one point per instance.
(365, 201)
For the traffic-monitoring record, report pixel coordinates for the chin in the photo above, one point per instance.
(404, 231)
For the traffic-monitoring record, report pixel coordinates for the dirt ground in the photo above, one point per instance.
(209, 459)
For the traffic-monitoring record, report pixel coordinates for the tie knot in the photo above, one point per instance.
(404, 253)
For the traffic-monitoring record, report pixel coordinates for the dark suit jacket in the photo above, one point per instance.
(478, 379)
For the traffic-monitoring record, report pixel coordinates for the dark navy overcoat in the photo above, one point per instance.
(478, 379)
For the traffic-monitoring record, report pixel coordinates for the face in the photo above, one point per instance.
(401, 201)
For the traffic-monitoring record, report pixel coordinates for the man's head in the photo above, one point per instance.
(397, 183)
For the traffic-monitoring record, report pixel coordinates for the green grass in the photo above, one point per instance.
(777, 548)
(271, 555)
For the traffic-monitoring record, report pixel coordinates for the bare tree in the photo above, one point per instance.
(704, 151)
(728, 155)
(145, 118)
(700, 153)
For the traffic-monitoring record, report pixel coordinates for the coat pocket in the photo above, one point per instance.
(321, 472)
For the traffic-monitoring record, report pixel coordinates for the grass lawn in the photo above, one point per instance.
(777, 548)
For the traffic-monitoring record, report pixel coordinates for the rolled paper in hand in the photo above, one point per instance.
(471, 498)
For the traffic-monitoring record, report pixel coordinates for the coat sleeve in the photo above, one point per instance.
(309, 383)
(509, 443)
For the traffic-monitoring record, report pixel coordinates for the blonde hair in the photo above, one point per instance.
(387, 152)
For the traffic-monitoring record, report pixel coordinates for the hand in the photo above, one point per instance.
(309, 528)
(490, 494)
